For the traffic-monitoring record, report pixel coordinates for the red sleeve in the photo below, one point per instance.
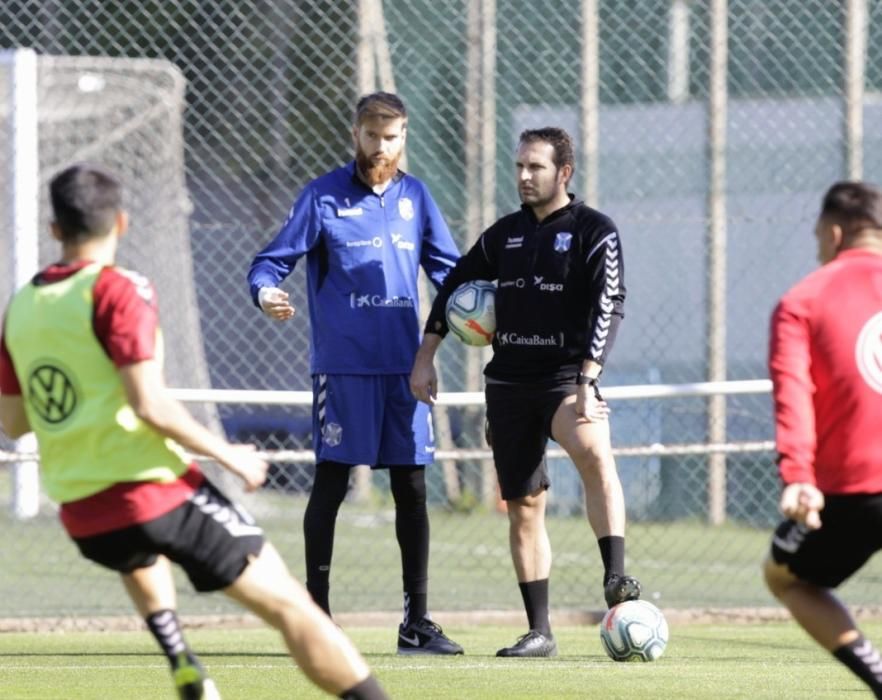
(793, 389)
(8, 379)
(125, 316)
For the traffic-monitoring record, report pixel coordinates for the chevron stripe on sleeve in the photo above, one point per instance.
(612, 291)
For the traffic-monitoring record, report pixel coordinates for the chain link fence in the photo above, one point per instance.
(218, 112)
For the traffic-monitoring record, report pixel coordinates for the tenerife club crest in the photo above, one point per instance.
(562, 242)
(405, 208)
(51, 394)
(332, 434)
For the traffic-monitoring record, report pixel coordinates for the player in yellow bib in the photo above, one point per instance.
(81, 366)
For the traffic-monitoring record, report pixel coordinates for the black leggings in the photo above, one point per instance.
(408, 485)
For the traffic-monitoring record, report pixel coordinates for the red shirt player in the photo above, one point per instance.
(825, 361)
(125, 323)
(80, 365)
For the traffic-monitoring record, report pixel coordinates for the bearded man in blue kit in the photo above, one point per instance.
(365, 229)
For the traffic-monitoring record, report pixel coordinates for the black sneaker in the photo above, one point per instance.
(531, 644)
(618, 589)
(425, 637)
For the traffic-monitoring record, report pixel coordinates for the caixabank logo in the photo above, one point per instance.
(52, 394)
(531, 340)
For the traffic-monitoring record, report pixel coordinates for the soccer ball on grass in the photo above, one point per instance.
(634, 630)
(471, 312)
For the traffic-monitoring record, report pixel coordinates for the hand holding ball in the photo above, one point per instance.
(471, 312)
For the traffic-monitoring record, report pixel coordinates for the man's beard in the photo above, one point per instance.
(535, 198)
(376, 172)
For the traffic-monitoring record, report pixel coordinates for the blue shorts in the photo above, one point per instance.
(370, 419)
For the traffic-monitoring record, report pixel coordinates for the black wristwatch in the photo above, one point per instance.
(586, 379)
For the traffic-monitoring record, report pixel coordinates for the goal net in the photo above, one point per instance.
(127, 115)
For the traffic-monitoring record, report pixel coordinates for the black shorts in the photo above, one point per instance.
(212, 538)
(850, 533)
(519, 426)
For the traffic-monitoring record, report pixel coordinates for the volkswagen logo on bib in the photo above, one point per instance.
(51, 394)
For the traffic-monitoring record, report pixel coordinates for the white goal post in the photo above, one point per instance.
(23, 221)
(126, 114)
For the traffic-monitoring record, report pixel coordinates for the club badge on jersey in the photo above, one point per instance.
(562, 242)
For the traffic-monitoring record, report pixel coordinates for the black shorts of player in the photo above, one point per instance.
(519, 425)
(209, 536)
(850, 533)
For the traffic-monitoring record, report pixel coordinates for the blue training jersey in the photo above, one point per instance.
(363, 253)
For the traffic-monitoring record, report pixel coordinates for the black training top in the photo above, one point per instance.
(560, 291)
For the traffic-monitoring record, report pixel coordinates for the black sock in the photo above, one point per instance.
(535, 595)
(408, 486)
(612, 552)
(368, 689)
(864, 661)
(166, 629)
(415, 607)
(328, 491)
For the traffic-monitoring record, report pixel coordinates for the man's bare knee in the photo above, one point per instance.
(526, 507)
(594, 463)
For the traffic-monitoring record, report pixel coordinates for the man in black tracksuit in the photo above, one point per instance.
(559, 300)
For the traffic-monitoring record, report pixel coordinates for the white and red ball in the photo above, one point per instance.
(471, 312)
(634, 630)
